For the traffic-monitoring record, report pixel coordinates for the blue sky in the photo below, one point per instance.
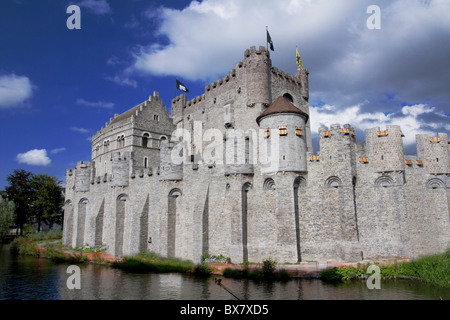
(59, 86)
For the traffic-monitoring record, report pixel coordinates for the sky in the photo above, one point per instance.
(58, 86)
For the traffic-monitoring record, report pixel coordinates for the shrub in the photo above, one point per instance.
(268, 268)
(202, 269)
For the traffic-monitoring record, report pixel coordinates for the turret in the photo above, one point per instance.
(384, 149)
(178, 105)
(82, 176)
(121, 168)
(284, 128)
(433, 152)
(337, 152)
(171, 165)
(302, 76)
(257, 65)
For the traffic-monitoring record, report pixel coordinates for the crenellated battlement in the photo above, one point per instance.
(336, 130)
(150, 188)
(433, 151)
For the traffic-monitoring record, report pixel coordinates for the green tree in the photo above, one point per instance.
(47, 200)
(7, 216)
(20, 192)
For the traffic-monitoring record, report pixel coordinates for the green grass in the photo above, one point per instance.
(434, 269)
(26, 245)
(150, 262)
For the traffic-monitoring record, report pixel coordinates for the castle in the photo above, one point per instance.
(233, 172)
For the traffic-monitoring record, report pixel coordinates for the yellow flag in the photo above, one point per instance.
(299, 61)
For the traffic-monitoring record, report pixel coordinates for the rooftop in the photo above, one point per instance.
(281, 105)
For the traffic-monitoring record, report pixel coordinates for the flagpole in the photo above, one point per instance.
(267, 44)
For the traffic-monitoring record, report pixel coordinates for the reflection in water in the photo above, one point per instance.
(35, 278)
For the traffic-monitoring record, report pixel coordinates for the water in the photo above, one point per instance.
(30, 278)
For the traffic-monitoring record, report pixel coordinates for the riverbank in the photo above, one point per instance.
(432, 269)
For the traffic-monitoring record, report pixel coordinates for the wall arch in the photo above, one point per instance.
(120, 223)
(82, 210)
(384, 181)
(269, 184)
(173, 195)
(300, 182)
(68, 222)
(333, 182)
(244, 206)
(435, 183)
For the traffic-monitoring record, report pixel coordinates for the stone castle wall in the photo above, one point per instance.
(349, 201)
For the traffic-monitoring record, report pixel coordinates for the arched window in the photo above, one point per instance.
(161, 139)
(120, 141)
(289, 97)
(145, 137)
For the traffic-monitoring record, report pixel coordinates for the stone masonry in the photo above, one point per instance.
(233, 172)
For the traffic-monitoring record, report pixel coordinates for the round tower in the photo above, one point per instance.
(257, 65)
(284, 128)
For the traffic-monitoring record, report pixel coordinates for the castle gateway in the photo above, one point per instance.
(233, 172)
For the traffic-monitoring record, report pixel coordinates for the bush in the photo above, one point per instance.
(202, 269)
(431, 268)
(268, 268)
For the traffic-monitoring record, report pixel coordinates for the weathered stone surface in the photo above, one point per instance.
(345, 202)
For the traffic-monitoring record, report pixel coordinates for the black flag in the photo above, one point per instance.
(181, 87)
(269, 41)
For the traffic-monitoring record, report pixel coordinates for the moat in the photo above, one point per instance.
(31, 278)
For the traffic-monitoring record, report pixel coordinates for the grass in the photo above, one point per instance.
(27, 245)
(151, 262)
(433, 269)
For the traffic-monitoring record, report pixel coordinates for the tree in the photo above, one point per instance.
(20, 192)
(47, 200)
(7, 216)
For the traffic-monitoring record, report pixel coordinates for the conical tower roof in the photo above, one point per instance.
(281, 105)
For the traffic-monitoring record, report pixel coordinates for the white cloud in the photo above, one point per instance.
(34, 157)
(123, 81)
(207, 38)
(97, 6)
(57, 150)
(99, 104)
(397, 75)
(14, 90)
(348, 63)
(80, 130)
